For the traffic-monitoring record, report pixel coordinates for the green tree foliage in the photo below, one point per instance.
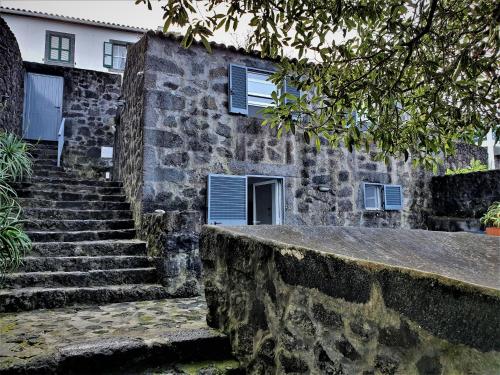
(474, 166)
(15, 162)
(411, 76)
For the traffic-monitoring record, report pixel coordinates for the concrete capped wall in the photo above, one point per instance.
(330, 300)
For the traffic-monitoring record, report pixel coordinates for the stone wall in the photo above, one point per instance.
(11, 81)
(90, 104)
(459, 201)
(129, 152)
(176, 129)
(188, 133)
(329, 300)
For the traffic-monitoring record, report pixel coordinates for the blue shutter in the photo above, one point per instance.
(107, 57)
(238, 89)
(371, 201)
(227, 200)
(393, 197)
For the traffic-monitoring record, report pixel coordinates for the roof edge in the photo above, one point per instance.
(82, 21)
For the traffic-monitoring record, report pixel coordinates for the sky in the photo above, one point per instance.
(118, 11)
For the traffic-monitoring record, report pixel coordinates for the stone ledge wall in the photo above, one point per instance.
(90, 104)
(128, 163)
(11, 81)
(290, 309)
(465, 195)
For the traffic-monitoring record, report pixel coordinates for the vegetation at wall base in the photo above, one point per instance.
(492, 217)
(474, 166)
(15, 163)
(413, 77)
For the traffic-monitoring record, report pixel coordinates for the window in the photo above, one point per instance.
(59, 47)
(376, 196)
(260, 89)
(115, 55)
(373, 196)
(250, 89)
(245, 200)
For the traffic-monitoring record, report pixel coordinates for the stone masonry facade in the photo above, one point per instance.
(11, 81)
(91, 102)
(176, 129)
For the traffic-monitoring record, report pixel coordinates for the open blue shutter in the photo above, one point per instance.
(227, 200)
(238, 89)
(393, 197)
(290, 89)
(370, 192)
(107, 59)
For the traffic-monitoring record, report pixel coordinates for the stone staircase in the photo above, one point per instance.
(87, 298)
(84, 246)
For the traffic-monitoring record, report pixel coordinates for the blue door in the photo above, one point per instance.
(43, 96)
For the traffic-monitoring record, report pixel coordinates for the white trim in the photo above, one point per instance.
(276, 217)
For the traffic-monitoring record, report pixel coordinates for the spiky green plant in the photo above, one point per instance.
(492, 217)
(15, 163)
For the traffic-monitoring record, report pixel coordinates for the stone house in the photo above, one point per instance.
(190, 150)
(188, 153)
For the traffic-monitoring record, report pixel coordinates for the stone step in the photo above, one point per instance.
(88, 248)
(52, 172)
(23, 299)
(41, 153)
(45, 163)
(80, 278)
(76, 205)
(78, 225)
(126, 338)
(82, 263)
(74, 181)
(68, 196)
(69, 214)
(72, 236)
(67, 188)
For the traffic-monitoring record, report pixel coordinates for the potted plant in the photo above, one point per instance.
(491, 220)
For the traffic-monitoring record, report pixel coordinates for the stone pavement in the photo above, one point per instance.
(45, 341)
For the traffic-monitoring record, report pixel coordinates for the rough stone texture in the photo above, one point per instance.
(176, 129)
(128, 156)
(354, 300)
(465, 195)
(91, 101)
(173, 242)
(11, 81)
(108, 338)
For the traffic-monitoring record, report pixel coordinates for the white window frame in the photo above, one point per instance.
(256, 94)
(112, 55)
(278, 199)
(380, 204)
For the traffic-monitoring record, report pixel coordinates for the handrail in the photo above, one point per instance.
(60, 142)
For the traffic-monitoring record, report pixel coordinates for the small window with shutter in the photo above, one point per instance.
(393, 197)
(250, 90)
(227, 200)
(372, 195)
(59, 48)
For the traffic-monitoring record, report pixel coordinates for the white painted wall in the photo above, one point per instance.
(30, 34)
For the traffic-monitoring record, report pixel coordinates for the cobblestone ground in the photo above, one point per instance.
(29, 336)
